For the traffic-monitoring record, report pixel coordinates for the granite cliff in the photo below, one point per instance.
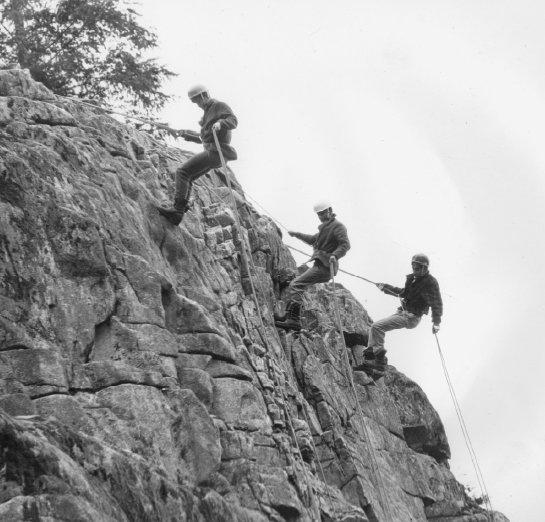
(136, 380)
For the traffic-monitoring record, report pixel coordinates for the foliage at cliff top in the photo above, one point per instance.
(86, 48)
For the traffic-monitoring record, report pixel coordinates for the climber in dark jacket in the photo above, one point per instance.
(420, 293)
(330, 244)
(217, 116)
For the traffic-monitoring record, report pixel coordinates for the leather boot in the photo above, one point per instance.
(176, 213)
(372, 353)
(368, 353)
(292, 320)
(375, 368)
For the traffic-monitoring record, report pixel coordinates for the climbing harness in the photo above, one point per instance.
(374, 463)
(467, 439)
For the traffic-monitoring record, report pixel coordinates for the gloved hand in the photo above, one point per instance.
(217, 126)
(334, 263)
(435, 328)
(175, 133)
(380, 286)
(180, 133)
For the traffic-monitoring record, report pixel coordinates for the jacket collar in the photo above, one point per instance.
(208, 103)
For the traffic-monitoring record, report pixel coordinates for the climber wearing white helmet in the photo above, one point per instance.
(330, 244)
(420, 293)
(217, 116)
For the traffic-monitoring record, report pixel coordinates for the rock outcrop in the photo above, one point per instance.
(137, 379)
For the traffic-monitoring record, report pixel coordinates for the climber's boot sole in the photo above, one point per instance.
(172, 215)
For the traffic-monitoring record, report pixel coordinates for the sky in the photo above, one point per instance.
(423, 123)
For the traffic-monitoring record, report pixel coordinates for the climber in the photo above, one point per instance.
(217, 116)
(330, 244)
(421, 292)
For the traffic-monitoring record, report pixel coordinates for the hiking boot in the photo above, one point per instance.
(176, 213)
(375, 368)
(292, 319)
(370, 353)
(171, 215)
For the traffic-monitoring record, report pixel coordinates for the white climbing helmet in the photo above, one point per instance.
(321, 206)
(421, 259)
(196, 90)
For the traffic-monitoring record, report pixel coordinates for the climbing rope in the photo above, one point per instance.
(169, 129)
(465, 433)
(281, 225)
(314, 444)
(288, 416)
(109, 110)
(374, 463)
(258, 307)
(378, 477)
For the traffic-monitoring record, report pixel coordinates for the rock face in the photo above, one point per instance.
(137, 379)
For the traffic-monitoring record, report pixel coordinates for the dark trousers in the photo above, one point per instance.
(314, 275)
(191, 170)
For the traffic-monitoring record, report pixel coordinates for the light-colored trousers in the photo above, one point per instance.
(401, 319)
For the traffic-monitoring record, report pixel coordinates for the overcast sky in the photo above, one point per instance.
(423, 123)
